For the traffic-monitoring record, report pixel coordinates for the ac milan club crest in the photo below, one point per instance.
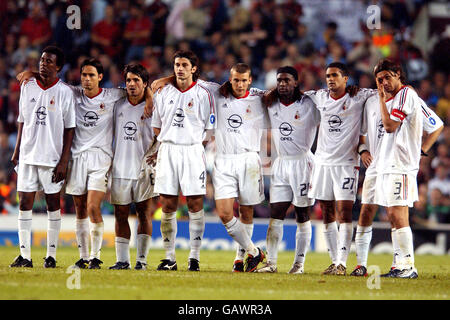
(297, 116)
(102, 106)
(191, 104)
(52, 102)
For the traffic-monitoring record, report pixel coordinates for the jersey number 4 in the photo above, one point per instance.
(203, 178)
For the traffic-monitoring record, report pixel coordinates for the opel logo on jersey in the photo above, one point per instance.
(179, 115)
(285, 129)
(130, 128)
(235, 121)
(334, 122)
(41, 113)
(90, 119)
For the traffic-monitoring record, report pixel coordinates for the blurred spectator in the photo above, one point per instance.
(21, 53)
(439, 207)
(106, 32)
(158, 12)
(37, 26)
(443, 104)
(195, 21)
(6, 152)
(441, 181)
(137, 32)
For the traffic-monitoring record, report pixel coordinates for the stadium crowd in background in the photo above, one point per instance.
(266, 34)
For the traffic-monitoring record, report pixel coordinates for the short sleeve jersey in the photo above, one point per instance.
(132, 139)
(340, 126)
(95, 120)
(294, 126)
(240, 124)
(400, 150)
(184, 116)
(373, 126)
(45, 114)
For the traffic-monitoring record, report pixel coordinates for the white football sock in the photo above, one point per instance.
(196, 231)
(395, 248)
(169, 233)
(237, 231)
(53, 228)
(362, 242)
(302, 241)
(405, 243)
(273, 240)
(240, 251)
(96, 230)
(143, 246)
(24, 222)
(82, 233)
(345, 242)
(331, 238)
(122, 249)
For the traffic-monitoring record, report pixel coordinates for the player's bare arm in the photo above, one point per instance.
(15, 156)
(160, 83)
(60, 171)
(363, 151)
(431, 139)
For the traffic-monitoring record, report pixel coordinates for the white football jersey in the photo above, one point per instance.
(340, 126)
(184, 116)
(400, 150)
(45, 114)
(240, 124)
(132, 138)
(294, 126)
(95, 120)
(373, 126)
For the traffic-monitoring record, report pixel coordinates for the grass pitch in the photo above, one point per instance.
(215, 281)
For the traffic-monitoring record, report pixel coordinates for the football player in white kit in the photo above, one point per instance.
(373, 126)
(45, 132)
(132, 178)
(92, 154)
(399, 157)
(237, 173)
(294, 120)
(336, 167)
(183, 112)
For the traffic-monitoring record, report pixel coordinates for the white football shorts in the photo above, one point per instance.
(290, 180)
(33, 178)
(181, 167)
(368, 190)
(126, 191)
(239, 175)
(334, 182)
(89, 171)
(396, 190)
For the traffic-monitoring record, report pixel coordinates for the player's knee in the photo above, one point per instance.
(302, 214)
(53, 202)
(195, 205)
